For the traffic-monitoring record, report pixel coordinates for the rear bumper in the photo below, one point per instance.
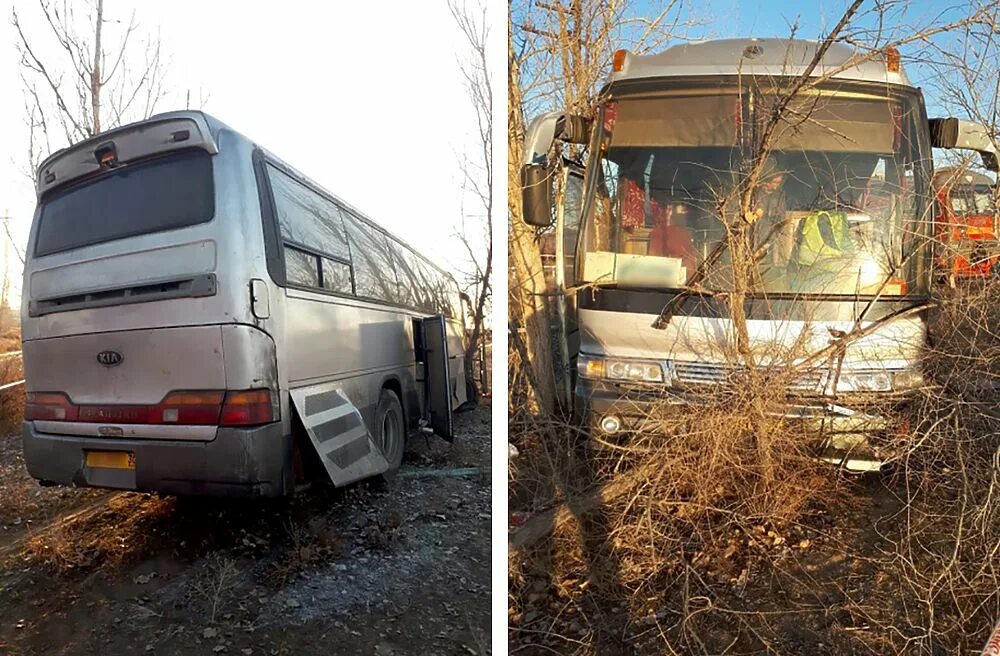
(243, 462)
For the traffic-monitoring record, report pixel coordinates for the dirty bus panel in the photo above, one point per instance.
(191, 317)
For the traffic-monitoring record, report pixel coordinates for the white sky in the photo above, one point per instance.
(365, 98)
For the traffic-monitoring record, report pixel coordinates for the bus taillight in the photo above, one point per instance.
(189, 408)
(52, 406)
(248, 408)
(202, 408)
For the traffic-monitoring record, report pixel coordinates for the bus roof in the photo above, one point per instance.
(207, 129)
(761, 57)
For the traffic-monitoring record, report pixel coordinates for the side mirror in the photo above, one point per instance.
(536, 195)
(536, 179)
(966, 135)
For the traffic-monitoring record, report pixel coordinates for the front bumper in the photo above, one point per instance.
(239, 462)
(852, 435)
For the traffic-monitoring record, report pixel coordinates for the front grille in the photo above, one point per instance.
(725, 375)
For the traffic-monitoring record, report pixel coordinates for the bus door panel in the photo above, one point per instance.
(456, 364)
(337, 431)
(437, 377)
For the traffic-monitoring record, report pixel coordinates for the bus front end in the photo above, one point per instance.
(827, 296)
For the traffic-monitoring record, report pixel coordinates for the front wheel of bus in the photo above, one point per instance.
(391, 430)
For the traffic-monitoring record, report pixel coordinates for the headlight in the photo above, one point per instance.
(864, 381)
(907, 379)
(879, 381)
(645, 371)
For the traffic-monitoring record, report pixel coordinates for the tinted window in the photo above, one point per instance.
(407, 281)
(438, 295)
(374, 276)
(301, 268)
(336, 276)
(161, 194)
(422, 284)
(306, 217)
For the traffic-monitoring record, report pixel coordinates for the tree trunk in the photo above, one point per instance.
(95, 74)
(530, 325)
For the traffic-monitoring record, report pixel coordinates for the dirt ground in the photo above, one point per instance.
(377, 568)
(825, 585)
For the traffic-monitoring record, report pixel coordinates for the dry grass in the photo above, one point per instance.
(310, 543)
(119, 531)
(11, 399)
(10, 339)
(717, 530)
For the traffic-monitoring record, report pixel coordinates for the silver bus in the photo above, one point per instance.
(844, 248)
(200, 318)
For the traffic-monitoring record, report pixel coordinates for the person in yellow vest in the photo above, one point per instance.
(823, 247)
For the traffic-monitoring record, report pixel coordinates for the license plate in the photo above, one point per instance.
(111, 459)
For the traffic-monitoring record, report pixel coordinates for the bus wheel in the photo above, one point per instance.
(391, 435)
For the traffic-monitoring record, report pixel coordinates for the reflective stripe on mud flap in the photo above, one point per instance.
(338, 433)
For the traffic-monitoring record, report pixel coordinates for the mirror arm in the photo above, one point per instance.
(956, 133)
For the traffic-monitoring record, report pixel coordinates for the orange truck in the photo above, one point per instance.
(965, 226)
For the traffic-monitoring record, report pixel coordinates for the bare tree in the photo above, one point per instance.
(478, 172)
(558, 54)
(89, 86)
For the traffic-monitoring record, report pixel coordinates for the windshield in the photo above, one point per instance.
(160, 194)
(839, 209)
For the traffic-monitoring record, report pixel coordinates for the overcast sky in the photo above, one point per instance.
(365, 100)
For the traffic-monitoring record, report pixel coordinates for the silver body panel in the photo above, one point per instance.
(293, 341)
(692, 339)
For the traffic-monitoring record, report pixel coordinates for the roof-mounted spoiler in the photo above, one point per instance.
(956, 133)
(153, 136)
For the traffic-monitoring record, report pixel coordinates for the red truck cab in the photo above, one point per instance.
(965, 225)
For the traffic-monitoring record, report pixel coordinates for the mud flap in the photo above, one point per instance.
(338, 433)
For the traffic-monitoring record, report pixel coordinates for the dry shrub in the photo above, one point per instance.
(941, 583)
(116, 532)
(12, 398)
(723, 532)
(731, 465)
(309, 544)
(10, 339)
(707, 489)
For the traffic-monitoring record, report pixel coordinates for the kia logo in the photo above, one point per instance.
(110, 358)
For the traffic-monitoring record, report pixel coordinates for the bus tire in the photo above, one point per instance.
(390, 430)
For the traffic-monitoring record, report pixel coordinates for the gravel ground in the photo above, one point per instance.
(378, 568)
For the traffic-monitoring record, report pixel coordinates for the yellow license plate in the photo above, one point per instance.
(111, 459)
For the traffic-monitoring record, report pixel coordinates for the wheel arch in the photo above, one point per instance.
(392, 383)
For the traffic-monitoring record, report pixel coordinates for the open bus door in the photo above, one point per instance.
(437, 377)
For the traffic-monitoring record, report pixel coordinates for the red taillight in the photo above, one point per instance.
(188, 408)
(242, 408)
(247, 408)
(52, 406)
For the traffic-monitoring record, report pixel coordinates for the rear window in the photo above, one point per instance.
(161, 194)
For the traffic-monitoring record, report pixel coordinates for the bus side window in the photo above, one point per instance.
(301, 268)
(336, 276)
(404, 276)
(311, 222)
(373, 270)
(421, 284)
(432, 302)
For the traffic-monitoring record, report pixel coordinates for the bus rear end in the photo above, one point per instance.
(145, 367)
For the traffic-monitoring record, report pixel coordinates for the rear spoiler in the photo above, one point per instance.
(154, 136)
